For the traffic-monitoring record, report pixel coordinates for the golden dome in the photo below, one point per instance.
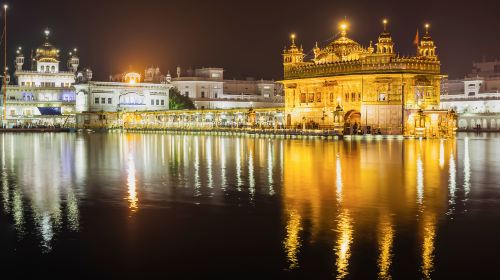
(47, 52)
(341, 49)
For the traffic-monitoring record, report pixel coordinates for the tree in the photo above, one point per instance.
(176, 101)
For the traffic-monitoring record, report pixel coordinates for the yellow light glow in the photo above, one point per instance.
(343, 244)
(343, 26)
(292, 36)
(292, 241)
(384, 21)
(131, 180)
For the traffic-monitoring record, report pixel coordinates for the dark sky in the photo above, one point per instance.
(244, 37)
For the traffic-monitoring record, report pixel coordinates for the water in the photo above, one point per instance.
(183, 206)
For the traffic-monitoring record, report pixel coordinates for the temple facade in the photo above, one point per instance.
(366, 89)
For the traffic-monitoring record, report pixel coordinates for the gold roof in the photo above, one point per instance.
(47, 52)
(340, 49)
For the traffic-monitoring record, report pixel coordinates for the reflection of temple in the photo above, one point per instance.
(339, 207)
(373, 86)
(45, 194)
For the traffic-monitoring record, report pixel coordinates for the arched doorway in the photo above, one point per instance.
(462, 123)
(352, 117)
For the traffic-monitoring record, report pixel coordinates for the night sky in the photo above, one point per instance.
(244, 37)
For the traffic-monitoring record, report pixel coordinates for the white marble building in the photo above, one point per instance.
(476, 101)
(208, 90)
(131, 94)
(44, 94)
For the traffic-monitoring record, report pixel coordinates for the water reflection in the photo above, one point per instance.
(292, 242)
(340, 204)
(385, 243)
(131, 186)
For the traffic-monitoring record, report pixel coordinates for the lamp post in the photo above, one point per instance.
(4, 118)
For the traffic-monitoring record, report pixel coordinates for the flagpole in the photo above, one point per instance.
(4, 119)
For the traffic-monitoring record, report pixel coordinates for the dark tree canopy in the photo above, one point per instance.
(179, 102)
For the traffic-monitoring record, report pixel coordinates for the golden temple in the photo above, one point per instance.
(370, 89)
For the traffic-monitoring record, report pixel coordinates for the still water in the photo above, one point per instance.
(186, 206)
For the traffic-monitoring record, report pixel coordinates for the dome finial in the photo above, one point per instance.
(47, 33)
(427, 26)
(384, 22)
(343, 28)
(292, 37)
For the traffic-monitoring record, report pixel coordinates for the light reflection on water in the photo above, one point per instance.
(331, 195)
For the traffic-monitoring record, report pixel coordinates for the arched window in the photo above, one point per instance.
(53, 69)
(302, 97)
(42, 68)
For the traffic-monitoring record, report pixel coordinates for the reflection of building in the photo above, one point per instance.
(43, 94)
(208, 90)
(476, 99)
(129, 94)
(373, 86)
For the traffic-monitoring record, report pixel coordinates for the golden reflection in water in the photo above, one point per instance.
(385, 243)
(343, 244)
(292, 242)
(270, 169)
(208, 148)
(251, 178)
(452, 183)
(223, 164)
(467, 171)
(338, 176)
(441, 153)
(238, 165)
(131, 184)
(429, 235)
(197, 181)
(420, 179)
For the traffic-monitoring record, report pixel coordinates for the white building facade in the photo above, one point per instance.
(129, 95)
(475, 101)
(44, 94)
(208, 90)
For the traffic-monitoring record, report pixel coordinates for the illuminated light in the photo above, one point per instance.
(441, 153)
(428, 246)
(343, 244)
(338, 174)
(420, 180)
(251, 176)
(292, 242)
(385, 243)
(452, 183)
(467, 169)
(5, 6)
(343, 26)
(131, 184)
(47, 32)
